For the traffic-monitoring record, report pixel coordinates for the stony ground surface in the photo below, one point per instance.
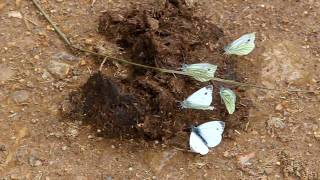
(37, 72)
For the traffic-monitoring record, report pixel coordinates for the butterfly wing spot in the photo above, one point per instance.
(206, 93)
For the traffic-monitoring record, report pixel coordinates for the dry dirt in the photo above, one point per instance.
(273, 135)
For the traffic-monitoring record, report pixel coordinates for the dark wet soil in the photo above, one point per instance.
(146, 103)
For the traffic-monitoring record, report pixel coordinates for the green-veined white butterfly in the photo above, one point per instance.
(242, 46)
(202, 71)
(229, 99)
(205, 136)
(201, 99)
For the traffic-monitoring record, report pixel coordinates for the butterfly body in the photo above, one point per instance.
(242, 46)
(201, 99)
(206, 136)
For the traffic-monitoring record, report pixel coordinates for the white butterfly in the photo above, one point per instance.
(242, 46)
(205, 136)
(202, 71)
(229, 99)
(201, 99)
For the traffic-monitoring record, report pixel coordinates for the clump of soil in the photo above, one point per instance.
(146, 104)
(166, 36)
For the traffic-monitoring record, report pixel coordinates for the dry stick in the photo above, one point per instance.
(128, 62)
(93, 2)
(260, 87)
(65, 39)
(61, 34)
(29, 20)
(101, 65)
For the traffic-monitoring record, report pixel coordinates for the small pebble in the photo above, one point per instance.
(15, 14)
(153, 23)
(20, 96)
(89, 41)
(58, 69)
(268, 170)
(279, 107)
(5, 72)
(107, 178)
(65, 56)
(17, 177)
(46, 75)
(317, 134)
(244, 160)
(72, 132)
(34, 161)
(34, 121)
(3, 147)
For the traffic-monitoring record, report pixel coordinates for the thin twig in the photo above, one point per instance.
(259, 87)
(128, 62)
(101, 65)
(29, 20)
(61, 34)
(93, 2)
(26, 23)
(247, 125)
(66, 40)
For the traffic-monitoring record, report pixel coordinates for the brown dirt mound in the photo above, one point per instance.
(146, 104)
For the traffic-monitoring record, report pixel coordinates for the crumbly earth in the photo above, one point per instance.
(273, 135)
(145, 104)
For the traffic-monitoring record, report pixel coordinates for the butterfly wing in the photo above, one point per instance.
(242, 46)
(202, 97)
(197, 145)
(247, 38)
(211, 132)
(229, 99)
(202, 71)
(208, 68)
(244, 49)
